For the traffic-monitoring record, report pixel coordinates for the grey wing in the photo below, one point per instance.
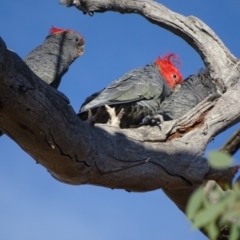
(138, 84)
(42, 67)
(178, 104)
(90, 98)
(193, 90)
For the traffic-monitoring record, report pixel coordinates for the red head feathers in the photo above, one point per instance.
(168, 70)
(54, 30)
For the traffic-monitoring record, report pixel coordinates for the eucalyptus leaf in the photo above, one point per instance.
(234, 234)
(219, 159)
(194, 203)
(212, 230)
(210, 214)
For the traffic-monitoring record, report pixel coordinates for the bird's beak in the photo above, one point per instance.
(80, 50)
(81, 46)
(177, 87)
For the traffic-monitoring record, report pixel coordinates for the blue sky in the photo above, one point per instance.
(33, 205)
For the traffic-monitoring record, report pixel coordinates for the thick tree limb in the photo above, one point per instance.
(133, 159)
(223, 66)
(72, 150)
(74, 153)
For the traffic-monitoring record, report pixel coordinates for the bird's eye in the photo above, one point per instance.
(77, 40)
(174, 76)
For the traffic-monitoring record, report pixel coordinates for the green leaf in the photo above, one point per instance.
(236, 188)
(238, 222)
(234, 234)
(194, 203)
(209, 214)
(212, 230)
(219, 159)
(227, 216)
(201, 219)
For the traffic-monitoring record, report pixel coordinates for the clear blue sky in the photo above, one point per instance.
(33, 205)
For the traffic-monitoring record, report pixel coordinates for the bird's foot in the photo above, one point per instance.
(114, 119)
(92, 119)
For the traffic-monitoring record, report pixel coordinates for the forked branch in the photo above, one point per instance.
(196, 33)
(140, 159)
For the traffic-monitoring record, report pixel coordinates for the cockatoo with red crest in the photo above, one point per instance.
(194, 89)
(139, 93)
(51, 60)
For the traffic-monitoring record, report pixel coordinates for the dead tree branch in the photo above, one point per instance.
(131, 159)
(195, 32)
(223, 66)
(140, 159)
(232, 145)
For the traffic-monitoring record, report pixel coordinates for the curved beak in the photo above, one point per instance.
(80, 50)
(81, 46)
(177, 87)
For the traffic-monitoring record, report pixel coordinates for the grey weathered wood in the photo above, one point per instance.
(222, 64)
(133, 159)
(41, 121)
(232, 145)
(195, 32)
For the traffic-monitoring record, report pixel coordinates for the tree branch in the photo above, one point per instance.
(223, 66)
(73, 151)
(140, 159)
(196, 33)
(232, 145)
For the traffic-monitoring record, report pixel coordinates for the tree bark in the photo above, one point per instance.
(73, 151)
(195, 32)
(232, 145)
(42, 122)
(140, 159)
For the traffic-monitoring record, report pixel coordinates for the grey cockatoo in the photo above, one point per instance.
(139, 92)
(51, 60)
(193, 90)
